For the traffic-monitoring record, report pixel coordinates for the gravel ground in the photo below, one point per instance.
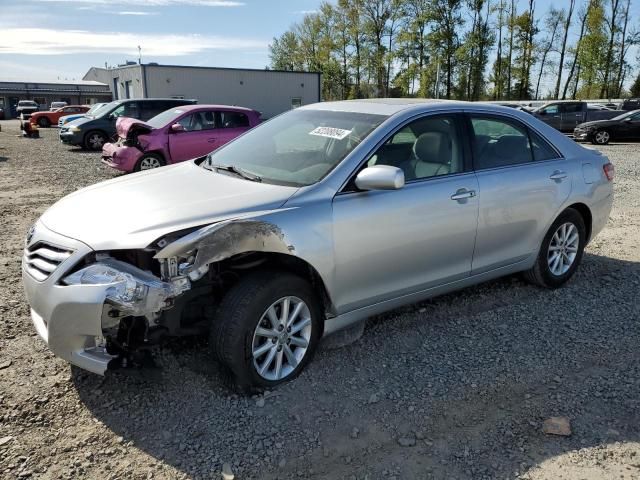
(456, 387)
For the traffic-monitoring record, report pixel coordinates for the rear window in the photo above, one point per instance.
(233, 120)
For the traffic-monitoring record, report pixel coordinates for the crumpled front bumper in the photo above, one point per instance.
(67, 318)
(120, 157)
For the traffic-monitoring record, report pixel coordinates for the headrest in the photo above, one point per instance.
(432, 147)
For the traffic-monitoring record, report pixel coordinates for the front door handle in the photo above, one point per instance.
(558, 175)
(463, 194)
(211, 140)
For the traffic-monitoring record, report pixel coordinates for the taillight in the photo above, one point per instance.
(609, 171)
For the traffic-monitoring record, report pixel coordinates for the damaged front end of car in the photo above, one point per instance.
(172, 287)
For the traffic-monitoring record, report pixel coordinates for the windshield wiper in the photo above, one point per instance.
(236, 170)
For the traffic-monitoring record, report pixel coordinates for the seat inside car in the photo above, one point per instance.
(506, 150)
(431, 156)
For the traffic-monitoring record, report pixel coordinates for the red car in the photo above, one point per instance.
(46, 119)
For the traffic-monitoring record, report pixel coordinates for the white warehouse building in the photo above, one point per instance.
(268, 91)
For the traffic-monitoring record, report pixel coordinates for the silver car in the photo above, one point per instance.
(307, 225)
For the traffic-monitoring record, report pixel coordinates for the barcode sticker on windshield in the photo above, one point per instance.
(330, 132)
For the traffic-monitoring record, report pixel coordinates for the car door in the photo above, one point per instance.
(198, 137)
(571, 114)
(393, 243)
(231, 124)
(551, 115)
(629, 128)
(523, 181)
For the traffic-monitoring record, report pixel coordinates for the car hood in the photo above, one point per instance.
(124, 124)
(80, 121)
(597, 123)
(134, 210)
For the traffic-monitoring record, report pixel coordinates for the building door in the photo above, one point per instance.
(115, 88)
(13, 103)
(127, 89)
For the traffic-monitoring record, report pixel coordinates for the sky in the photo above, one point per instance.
(61, 39)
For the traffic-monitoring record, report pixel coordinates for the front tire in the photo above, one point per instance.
(266, 330)
(149, 161)
(601, 137)
(44, 122)
(561, 251)
(95, 140)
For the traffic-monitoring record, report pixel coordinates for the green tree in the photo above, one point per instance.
(635, 87)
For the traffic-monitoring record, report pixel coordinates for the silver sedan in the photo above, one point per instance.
(307, 225)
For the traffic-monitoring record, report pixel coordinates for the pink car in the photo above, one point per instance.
(176, 135)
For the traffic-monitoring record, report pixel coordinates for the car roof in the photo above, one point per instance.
(128, 100)
(191, 108)
(392, 106)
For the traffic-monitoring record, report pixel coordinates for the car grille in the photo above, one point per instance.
(41, 259)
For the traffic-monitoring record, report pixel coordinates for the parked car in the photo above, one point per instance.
(46, 119)
(308, 224)
(93, 132)
(630, 104)
(91, 112)
(601, 132)
(25, 108)
(56, 105)
(566, 115)
(176, 135)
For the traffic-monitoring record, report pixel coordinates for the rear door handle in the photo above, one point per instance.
(558, 175)
(211, 140)
(463, 194)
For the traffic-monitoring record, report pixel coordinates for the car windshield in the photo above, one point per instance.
(106, 109)
(625, 115)
(165, 117)
(26, 104)
(96, 108)
(297, 148)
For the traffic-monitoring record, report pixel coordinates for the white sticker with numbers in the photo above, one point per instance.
(330, 132)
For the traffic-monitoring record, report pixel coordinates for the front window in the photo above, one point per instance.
(129, 109)
(297, 148)
(428, 147)
(198, 121)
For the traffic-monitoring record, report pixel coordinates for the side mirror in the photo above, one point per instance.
(176, 128)
(380, 177)
(542, 112)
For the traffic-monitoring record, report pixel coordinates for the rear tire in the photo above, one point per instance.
(561, 251)
(251, 336)
(149, 161)
(44, 122)
(601, 137)
(95, 140)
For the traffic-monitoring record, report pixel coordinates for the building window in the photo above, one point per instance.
(296, 102)
(127, 89)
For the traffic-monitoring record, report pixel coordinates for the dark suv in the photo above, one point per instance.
(91, 132)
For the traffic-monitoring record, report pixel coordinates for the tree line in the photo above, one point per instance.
(465, 49)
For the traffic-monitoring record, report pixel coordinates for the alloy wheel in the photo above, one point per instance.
(96, 141)
(602, 137)
(563, 249)
(148, 163)
(281, 338)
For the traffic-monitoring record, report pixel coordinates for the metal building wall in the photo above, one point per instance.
(270, 92)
